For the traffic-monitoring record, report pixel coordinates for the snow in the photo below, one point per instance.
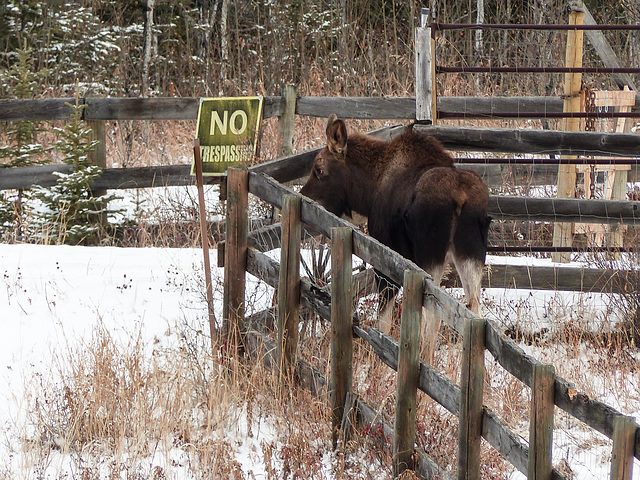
(52, 297)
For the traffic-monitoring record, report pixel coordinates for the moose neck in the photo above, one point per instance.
(367, 160)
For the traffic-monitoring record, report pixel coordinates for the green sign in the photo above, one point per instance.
(228, 132)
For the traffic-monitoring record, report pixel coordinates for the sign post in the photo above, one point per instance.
(226, 135)
(197, 161)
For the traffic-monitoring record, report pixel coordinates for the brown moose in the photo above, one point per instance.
(417, 202)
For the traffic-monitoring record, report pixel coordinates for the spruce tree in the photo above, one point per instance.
(23, 148)
(69, 213)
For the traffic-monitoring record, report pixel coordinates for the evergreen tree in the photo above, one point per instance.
(23, 83)
(23, 149)
(69, 212)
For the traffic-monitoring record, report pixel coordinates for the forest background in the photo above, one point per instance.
(222, 47)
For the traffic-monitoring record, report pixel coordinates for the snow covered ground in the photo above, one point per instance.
(53, 297)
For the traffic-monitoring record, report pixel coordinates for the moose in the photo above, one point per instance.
(416, 201)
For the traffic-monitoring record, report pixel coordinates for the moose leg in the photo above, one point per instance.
(470, 272)
(387, 291)
(470, 249)
(430, 229)
(431, 321)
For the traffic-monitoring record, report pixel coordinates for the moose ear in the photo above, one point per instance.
(336, 136)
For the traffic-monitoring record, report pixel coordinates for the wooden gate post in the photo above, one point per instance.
(341, 325)
(286, 121)
(425, 72)
(289, 285)
(235, 258)
(563, 232)
(541, 422)
(408, 372)
(471, 385)
(624, 436)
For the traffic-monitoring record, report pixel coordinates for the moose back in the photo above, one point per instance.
(417, 202)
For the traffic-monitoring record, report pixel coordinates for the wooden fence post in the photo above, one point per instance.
(235, 259)
(98, 156)
(286, 121)
(341, 325)
(471, 385)
(425, 72)
(541, 422)
(408, 373)
(289, 284)
(563, 232)
(624, 435)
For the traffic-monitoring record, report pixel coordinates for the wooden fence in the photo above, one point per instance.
(465, 400)
(293, 167)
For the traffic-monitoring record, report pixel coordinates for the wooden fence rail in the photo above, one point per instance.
(500, 207)
(170, 108)
(596, 415)
(534, 277)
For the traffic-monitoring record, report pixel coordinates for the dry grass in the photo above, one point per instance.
(142, 411)
(118, 409)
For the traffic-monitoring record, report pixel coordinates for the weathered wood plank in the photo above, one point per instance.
(341, 325)
(624, 433)
(111, 178)
(286, 121)
(23, 178)
(460, 107)
(426, 98)
(37, 110)
(288, 168)
(289, 286)
(509, 444)
(358, 107)
(163, 108)
(535, 278)
(235, 257)
(556, 278)
(564, 210)
(266, 238)
(186, 108)
(541, 423)
(408, 373)
(541, 142)
(593, 413)
(167, 108)
(471, 398)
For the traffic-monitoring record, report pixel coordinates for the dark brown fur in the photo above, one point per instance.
(417, 202)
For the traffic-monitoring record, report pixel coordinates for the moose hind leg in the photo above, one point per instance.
(470, 271)
(469, 252)
(431, 321)
(387, 291)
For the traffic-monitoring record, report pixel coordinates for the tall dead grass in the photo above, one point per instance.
(114, 409)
